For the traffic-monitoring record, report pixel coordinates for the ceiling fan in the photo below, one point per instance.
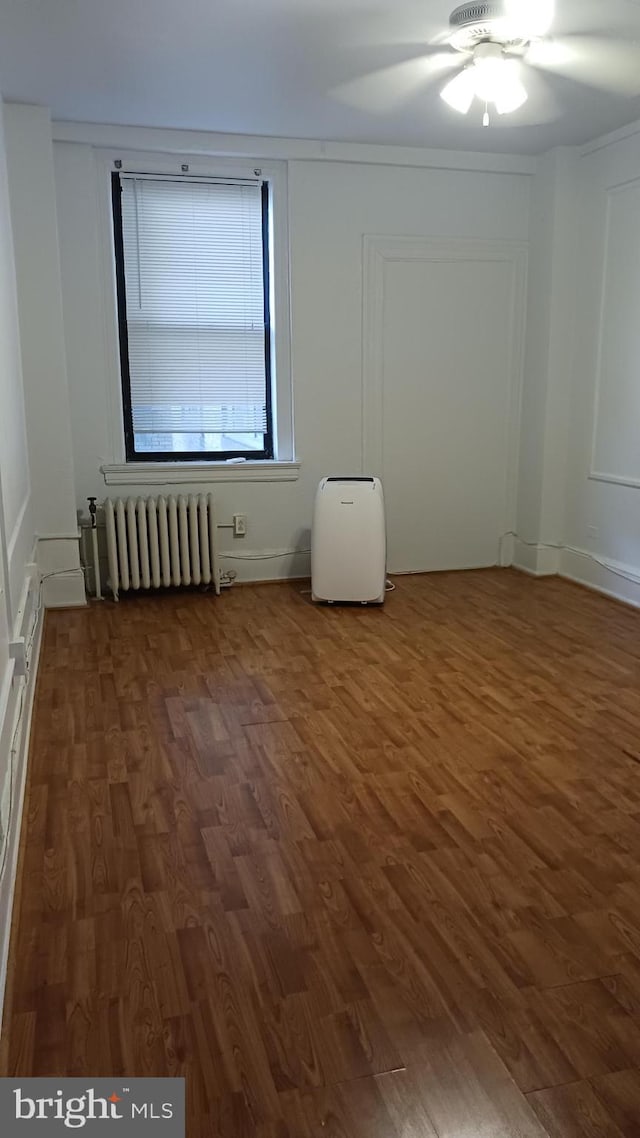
(493, 38)
(494, 47)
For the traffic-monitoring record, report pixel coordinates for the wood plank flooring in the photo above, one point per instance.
(355, 873)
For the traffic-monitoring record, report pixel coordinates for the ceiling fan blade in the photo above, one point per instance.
(390, 87)
(608, 64)
(393, 30)
(593, 17)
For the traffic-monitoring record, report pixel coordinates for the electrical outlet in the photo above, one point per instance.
(239, 525)
(592, 533)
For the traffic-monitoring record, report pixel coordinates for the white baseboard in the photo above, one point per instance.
(537, 560)
(15, 732)
(507, 550)
(604, 575)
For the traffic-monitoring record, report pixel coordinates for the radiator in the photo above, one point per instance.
(155, 543)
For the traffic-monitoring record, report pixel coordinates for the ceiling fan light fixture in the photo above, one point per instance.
(490, 78)
(511, 98)
(460, 91)
(490, 75)
(497, 80)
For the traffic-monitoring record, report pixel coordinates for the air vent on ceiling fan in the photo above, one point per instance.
(472, 24)
(470, 13)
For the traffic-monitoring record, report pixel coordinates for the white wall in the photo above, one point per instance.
(442, 376)
(579, 481)
(16, 506)
(16, 512)
(33, 213)
(332, 206)
(566, 520)
(549, 356)
(14, 484)
(602, 530)
(17, 597)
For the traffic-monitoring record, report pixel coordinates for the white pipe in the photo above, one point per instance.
(154, 541)
(183, 540)
(132, 544)
(163, 532)
(112, 546)
(174, 541)
(96, 564)
(194, 544)
(143, 543)
(203, 519)
(213, 543)
(121, 532)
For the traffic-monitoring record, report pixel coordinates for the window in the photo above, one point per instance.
(192, 275)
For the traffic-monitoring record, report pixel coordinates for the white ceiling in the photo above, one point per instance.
(271, 67)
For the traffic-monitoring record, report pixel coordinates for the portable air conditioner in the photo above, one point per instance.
(348, 541)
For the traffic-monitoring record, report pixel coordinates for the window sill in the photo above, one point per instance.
(174, 473)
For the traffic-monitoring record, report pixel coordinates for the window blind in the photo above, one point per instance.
(194, 282)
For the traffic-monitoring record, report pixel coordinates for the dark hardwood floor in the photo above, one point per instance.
(355, 873)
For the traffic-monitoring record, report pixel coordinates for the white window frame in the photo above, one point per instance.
(283, 466)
